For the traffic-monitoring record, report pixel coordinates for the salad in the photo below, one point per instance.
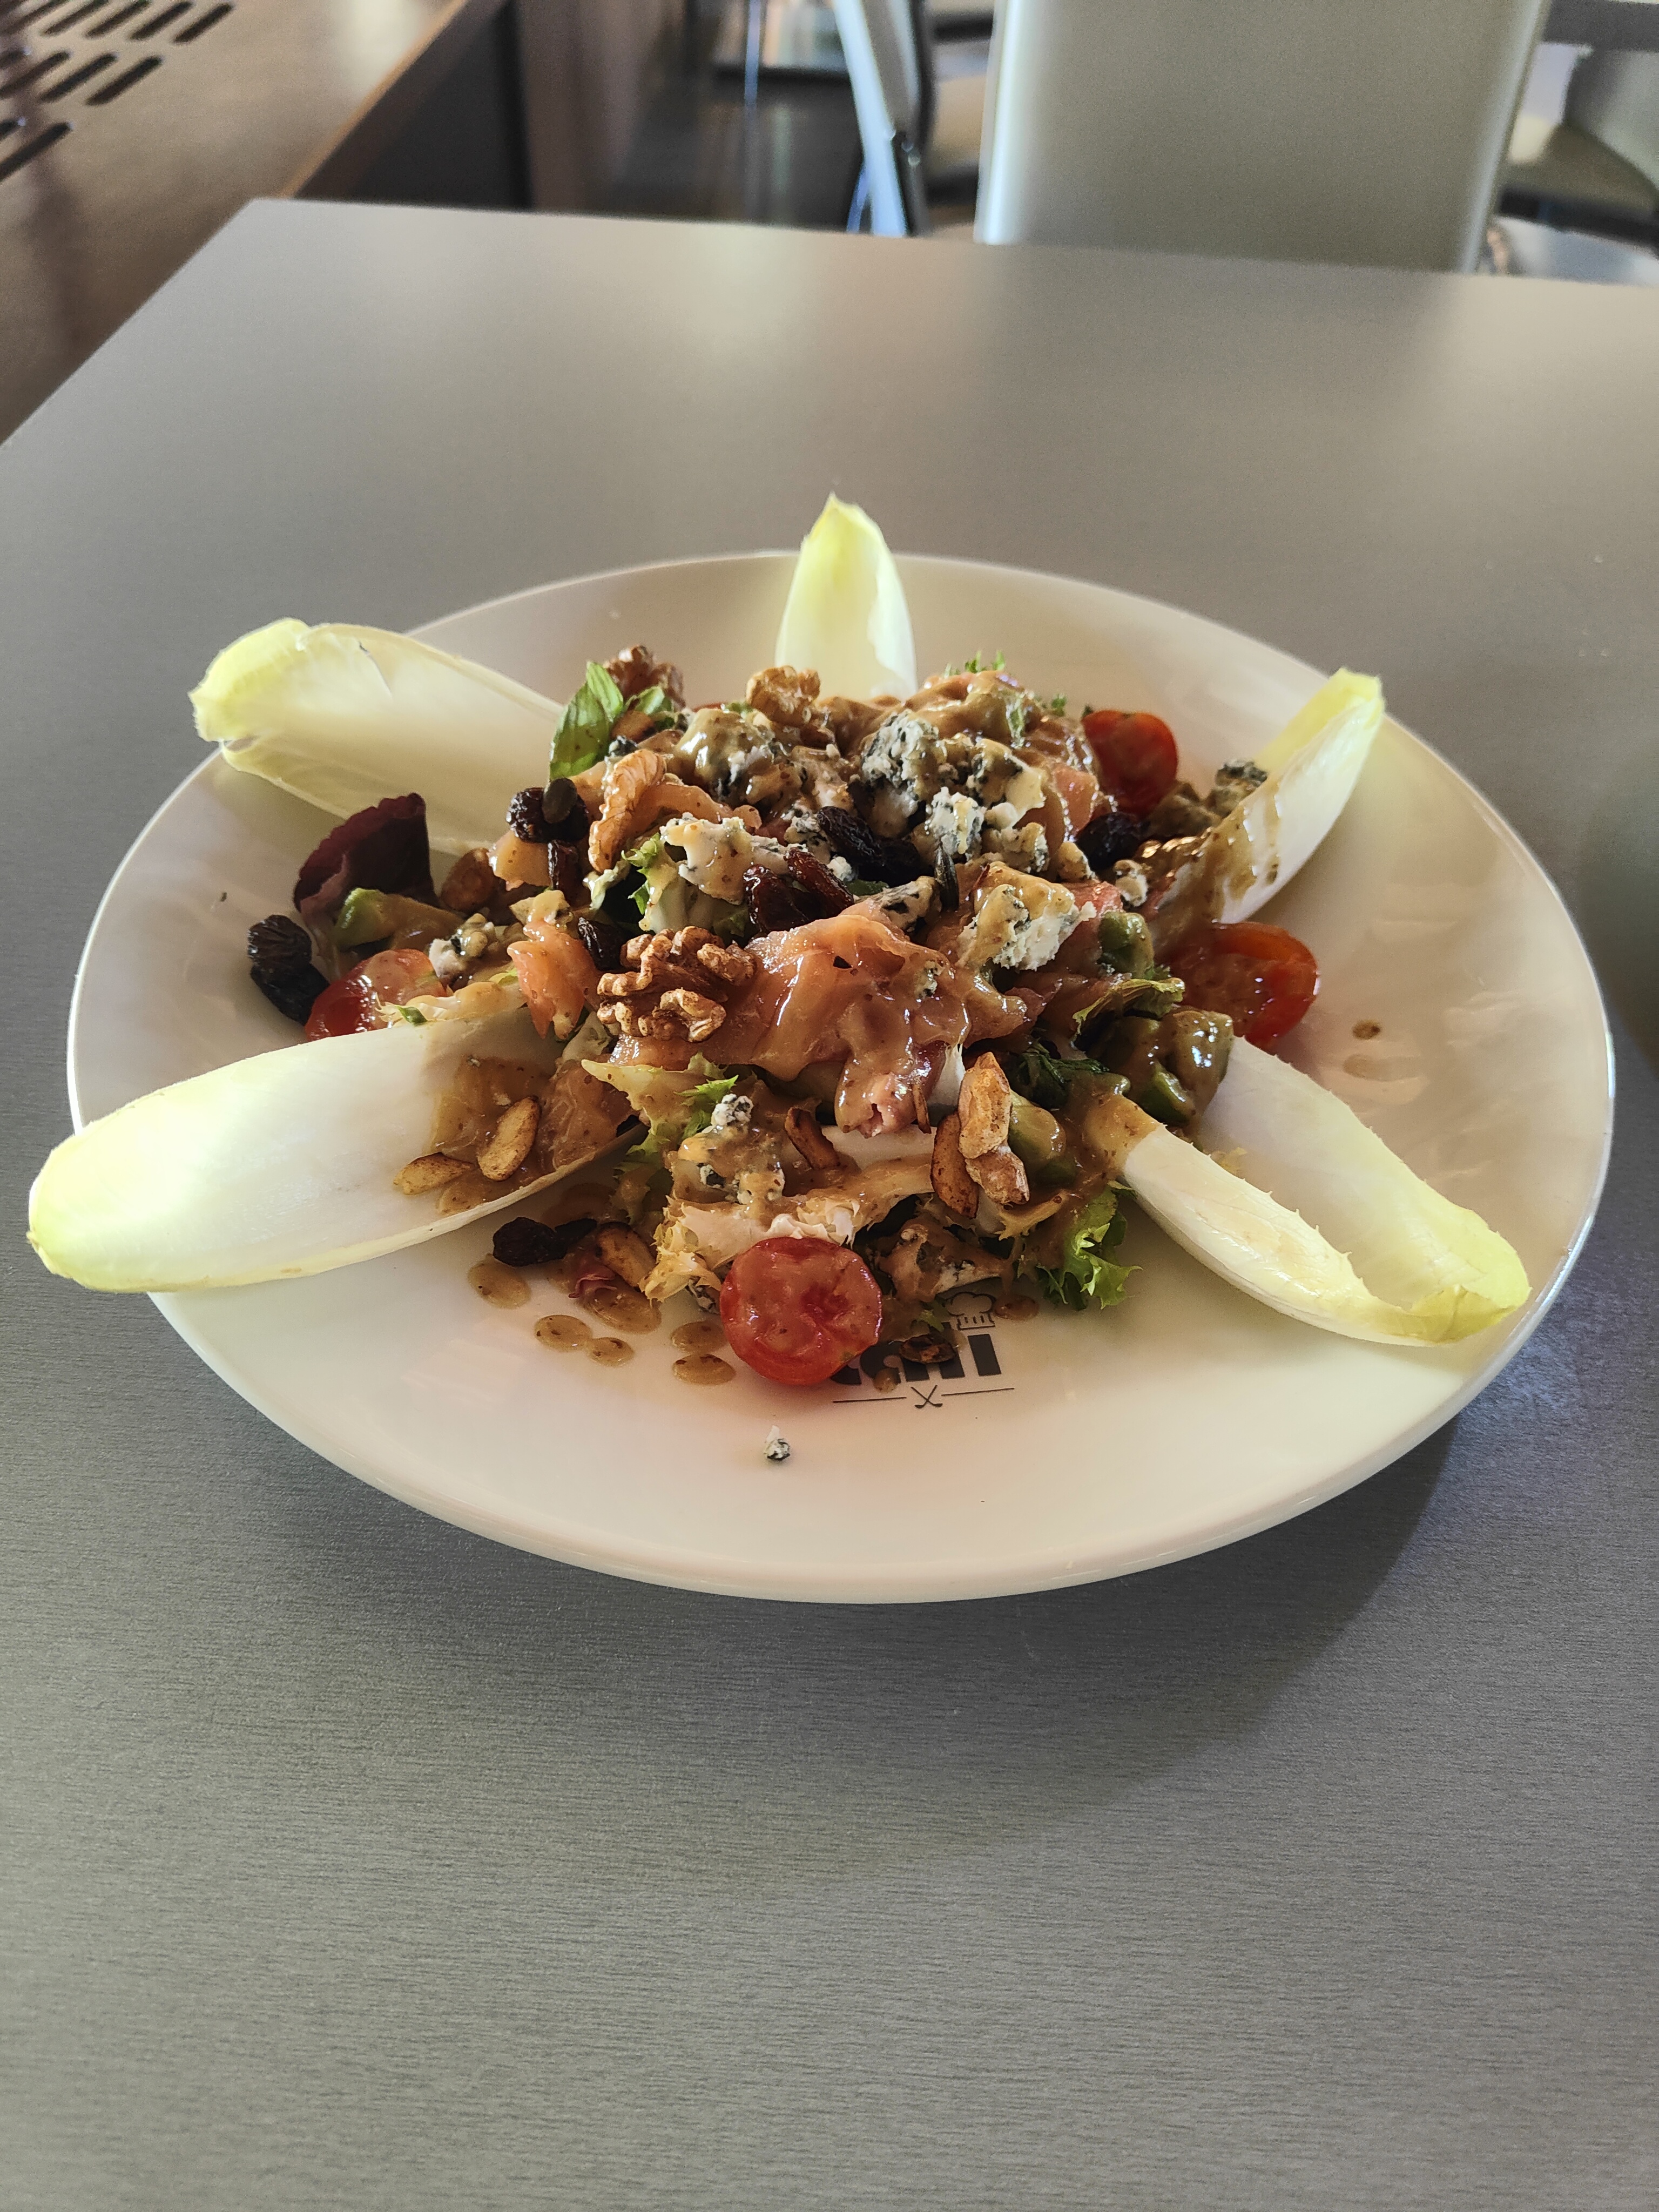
(821, 1003)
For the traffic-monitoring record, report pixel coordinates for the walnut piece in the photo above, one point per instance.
(786, 696)
(636, 671)
(471, 883)
(637, 790)
(626, 782)
(675, 986)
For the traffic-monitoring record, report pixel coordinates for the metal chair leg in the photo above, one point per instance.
(754, 27)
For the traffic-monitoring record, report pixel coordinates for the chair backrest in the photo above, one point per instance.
(889, 63)
(1615, 97)
(1350, 130)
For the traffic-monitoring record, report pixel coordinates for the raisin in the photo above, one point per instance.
(565, 815)
(877, 860)
(292, 991)
(945, 875)
(817, 882)
(279, 944)
(775, 902)
(570, 871)
(525, 818)
(525, 1242)
(604, 941)
(1110, 838)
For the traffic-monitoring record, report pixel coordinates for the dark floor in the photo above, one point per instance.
(699, 153)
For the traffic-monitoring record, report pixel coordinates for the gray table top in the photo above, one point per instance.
(357, 1861)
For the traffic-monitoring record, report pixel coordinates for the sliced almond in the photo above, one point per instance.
(985, 1106)
(808, 1139)
(626, 1253)
(952, 1184)
(1000, 1175)
(430, 1172)
(507, 1147)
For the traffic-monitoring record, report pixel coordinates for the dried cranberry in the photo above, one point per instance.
(819, 886)
(565, 815)
(279, 944)
(1110, 838)
(524, 1242)
(383, 848)
(525, 818)
(877, 860)
(603, 940)
(292, 991)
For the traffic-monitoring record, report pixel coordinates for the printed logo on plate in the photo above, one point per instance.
(882, 1377)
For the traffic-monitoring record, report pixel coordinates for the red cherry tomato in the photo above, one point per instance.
(360, 999)
(1263, 979)
(1136, 755)
(797, 1308)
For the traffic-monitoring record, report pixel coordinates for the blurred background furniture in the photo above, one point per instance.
(1292, 129)
(131, 129)
(1516, 247)
(918, 74)
(1597, 169)
(1609, 26)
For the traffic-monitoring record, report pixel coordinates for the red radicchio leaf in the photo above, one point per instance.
(383, 848)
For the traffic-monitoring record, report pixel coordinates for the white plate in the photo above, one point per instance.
(1071, 1447)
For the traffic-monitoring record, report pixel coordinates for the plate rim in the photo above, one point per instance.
(714, 1573)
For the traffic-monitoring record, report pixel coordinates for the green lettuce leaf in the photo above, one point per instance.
(675, 1106)
(1085, 1277)
(646, 856)
(585, 727)
(1043, 1077)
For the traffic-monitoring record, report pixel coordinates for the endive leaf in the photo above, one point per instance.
(1315, 1216)
(1312, 766)
(341, 716)
(279, 1166)
(846, 615)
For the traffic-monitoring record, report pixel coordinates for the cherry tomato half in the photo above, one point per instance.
(1263, 979)
(1136, 755)
(362, 996)
(797, 1308)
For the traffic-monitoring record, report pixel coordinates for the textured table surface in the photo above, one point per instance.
(353, 1861)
